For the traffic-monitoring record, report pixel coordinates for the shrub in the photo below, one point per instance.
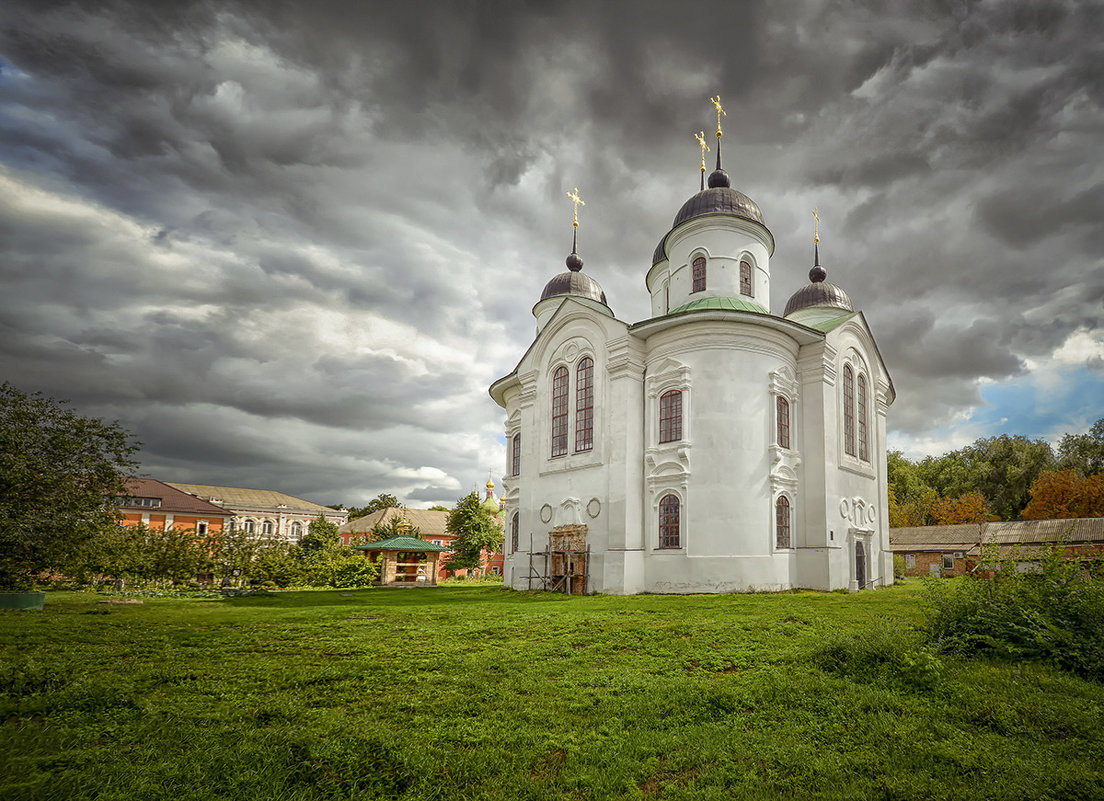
(1055, 615)
(887, 649)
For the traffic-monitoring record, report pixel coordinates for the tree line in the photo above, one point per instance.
(1000, 478)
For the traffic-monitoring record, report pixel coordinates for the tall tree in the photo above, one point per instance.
(322, 535)
(910, 496)
(1057, 495)
(1083, 452)
(474, 532)
(59, 475)
(970, 507)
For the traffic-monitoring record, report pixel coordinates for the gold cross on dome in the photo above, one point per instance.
(716, 101)
(704, 147)
(816, 226)
(578, 201)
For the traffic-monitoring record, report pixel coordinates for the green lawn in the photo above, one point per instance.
(477, 692)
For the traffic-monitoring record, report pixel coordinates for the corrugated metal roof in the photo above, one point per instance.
(1015, 532)
(233, 497)
(430, 522)
(1087, 529)
(935, 538)
(401, 544)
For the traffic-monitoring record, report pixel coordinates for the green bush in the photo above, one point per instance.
(886, 649)
(1055, 615)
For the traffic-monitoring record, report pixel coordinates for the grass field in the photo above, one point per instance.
(477, 692)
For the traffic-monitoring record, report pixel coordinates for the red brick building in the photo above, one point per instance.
(157, 505)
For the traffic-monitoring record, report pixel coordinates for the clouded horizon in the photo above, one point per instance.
(290, 245)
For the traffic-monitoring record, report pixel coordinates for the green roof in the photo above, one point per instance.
(724, 304)
(828, 325)
(401, 544)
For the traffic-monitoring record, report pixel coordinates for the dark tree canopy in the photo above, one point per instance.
(60, 473)
(1083, 453)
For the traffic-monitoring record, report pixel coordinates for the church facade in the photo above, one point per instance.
(713, 447)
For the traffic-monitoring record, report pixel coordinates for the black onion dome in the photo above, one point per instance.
(575, 283)
(721, 199)
(660, 254)
(818, 294)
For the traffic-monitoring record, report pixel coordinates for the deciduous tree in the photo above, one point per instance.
(970, 507)
(60, 473)
(1057, 495)
(474, 532)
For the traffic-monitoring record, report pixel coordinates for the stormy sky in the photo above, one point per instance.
(289, 245)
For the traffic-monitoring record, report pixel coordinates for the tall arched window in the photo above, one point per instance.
(783, 414)
(848, 410)
(559, 411)
(515, 528)
(296, 530)
(669, 522)
(864, 439)
(699, 274)
(782, 522)
(515, 456)
(584, 405)
(266, 528)
(249, 526)
(746, 285)
(670, 416)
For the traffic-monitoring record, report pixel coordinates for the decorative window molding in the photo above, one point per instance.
(584, 405)
(515, 455)
(670, 416)
(782, 420)
(747, 280)
(202, 528)
(249, 526)
(785, 455)
(698, 269)
(560, 380)
(296, 530)
(267, 528)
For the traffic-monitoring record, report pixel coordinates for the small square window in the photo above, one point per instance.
(948, 561)
(910, 561)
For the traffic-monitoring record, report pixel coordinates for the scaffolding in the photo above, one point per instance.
(566, 562)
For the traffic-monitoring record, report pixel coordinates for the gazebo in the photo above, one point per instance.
(404, 561)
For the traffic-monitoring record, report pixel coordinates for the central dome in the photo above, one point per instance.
(574, 283)
(718, 200)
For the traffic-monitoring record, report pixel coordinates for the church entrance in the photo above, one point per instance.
(860, 564)
(567, 560)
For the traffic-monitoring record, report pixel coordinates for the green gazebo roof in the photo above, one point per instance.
(401, 544)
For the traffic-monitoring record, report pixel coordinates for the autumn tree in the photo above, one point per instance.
(1057, 495)
(970, 507)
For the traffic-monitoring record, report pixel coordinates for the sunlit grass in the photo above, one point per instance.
(475, 692)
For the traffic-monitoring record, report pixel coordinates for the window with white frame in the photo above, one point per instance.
(848, 410)
(782, 522)
(515, 531)
(782, 413)
(201, 528)
(948, 561)
(584, 405)
(670, 416)
(747, 287)
(266, 528)
(296, 530)
(864, 438)
(699, 274)
(515, 456)
(669, 519)
(559, 411)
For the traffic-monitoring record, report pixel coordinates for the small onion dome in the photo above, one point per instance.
(574, 282)
(719, 198)
(818, 293)
(490, 505)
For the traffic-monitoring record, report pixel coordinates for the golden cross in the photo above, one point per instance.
(816, 226)
(716, 101)
(704, 147)
(578, 201)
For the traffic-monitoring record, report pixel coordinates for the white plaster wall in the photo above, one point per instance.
(724, 241)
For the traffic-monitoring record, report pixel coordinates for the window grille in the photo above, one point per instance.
(783, 422)
(515, 456)
(848, 410)
(782, 522)
(559, 411)
(669, 522)
(746, 285)
(864, 447)
(670, 416)
(699, 274)
(584, 405)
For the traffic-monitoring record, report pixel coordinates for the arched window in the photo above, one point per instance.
(584, 405)
(783, 414)
(670, 416)
(699, 274)
(249, 526)
(782, 522)
(559, 411)
(848, 410)
(864, 439)
(515, 528)
(746, 285)
(296, 530)
(515, 456)
(266, 528)
(669, 522)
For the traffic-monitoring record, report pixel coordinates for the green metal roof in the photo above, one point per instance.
(828, 325)
(724, 304)
(401, 544)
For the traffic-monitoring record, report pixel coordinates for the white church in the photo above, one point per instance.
(714, 447)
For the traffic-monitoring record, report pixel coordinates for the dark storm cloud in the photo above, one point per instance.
(317, 230)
